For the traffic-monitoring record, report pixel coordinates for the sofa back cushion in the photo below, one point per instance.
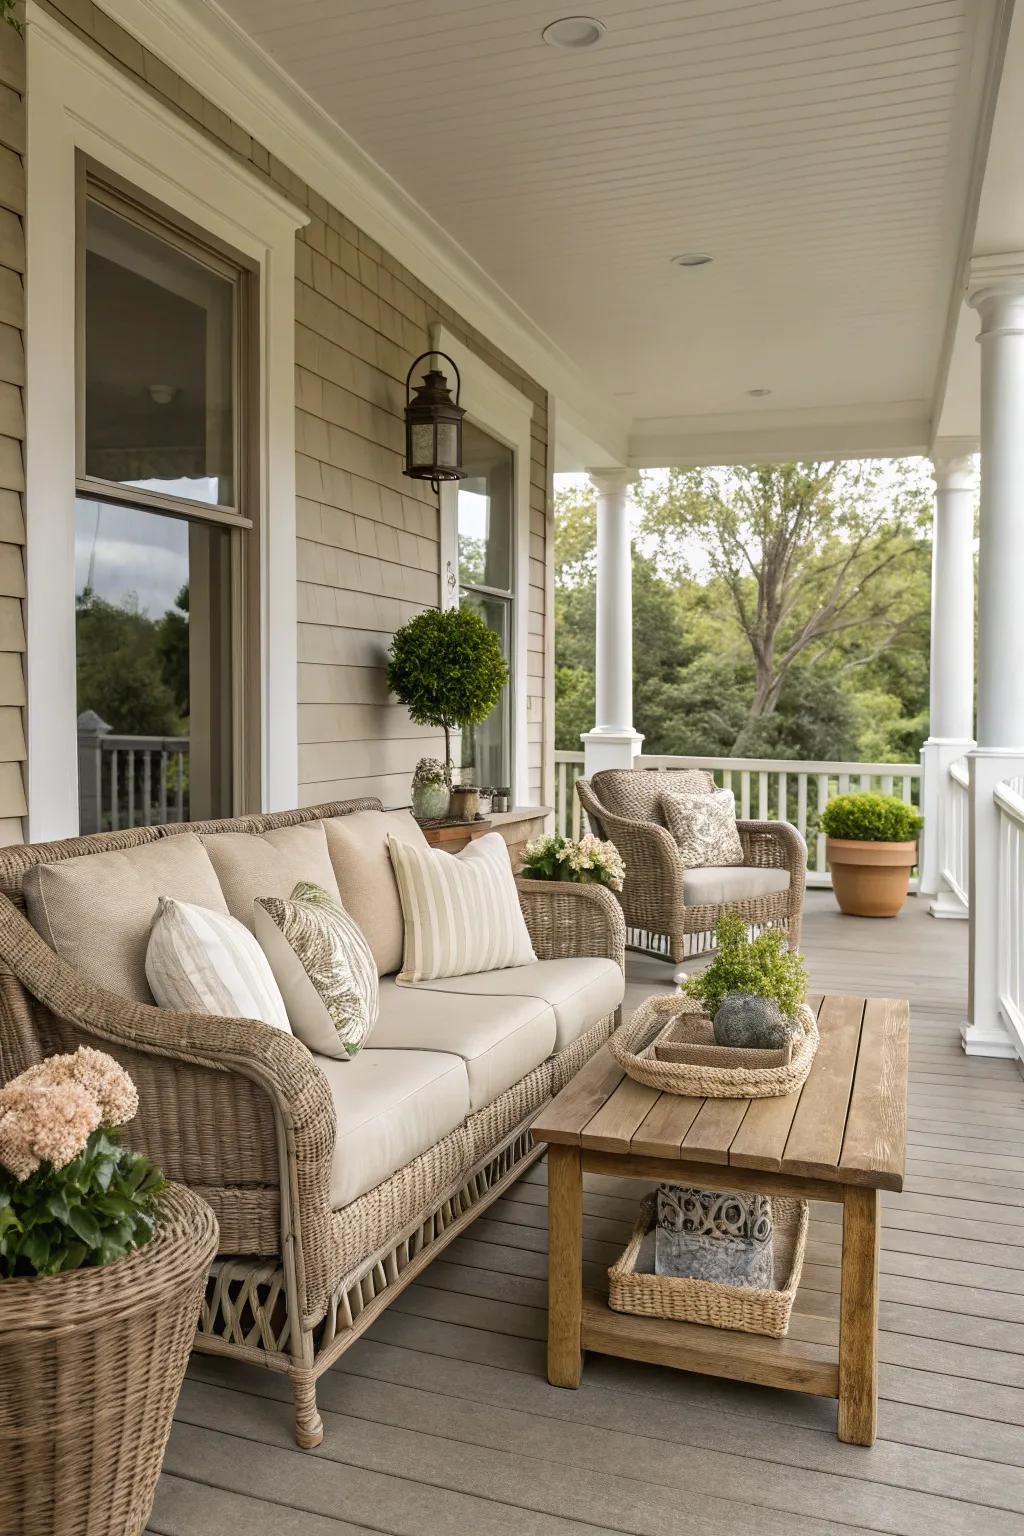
(96, 911)
(358, 845)
(634, 792)
(270, 864)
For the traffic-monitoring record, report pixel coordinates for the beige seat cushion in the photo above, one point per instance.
(390, 1106)
(358, 845)
(635, 792)
(582, 992)
(500, 1039)
(96, 911)
(270, 864)
(710, 887)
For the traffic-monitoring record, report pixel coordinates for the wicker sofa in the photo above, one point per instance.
(333, 1183)
(669, 910)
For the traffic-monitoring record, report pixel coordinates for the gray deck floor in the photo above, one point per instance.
(441, 1419)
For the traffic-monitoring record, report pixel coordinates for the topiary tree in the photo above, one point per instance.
(448, 671)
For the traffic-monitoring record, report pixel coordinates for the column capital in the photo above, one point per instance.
(993, 282)
(953, 463)
(607, 481)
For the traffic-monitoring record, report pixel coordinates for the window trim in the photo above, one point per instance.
(503, 411)
(81, 103)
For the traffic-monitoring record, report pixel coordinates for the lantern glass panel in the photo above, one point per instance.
(447, 444)
(422, 443)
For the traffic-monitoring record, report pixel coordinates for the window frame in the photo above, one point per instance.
(81, 102)
(506, 414)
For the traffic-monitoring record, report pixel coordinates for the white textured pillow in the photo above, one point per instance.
(323, 966)
(199, 961)
(462, 912)
(704, 827)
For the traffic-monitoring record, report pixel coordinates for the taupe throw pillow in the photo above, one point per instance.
(323, 966)
(704, 827)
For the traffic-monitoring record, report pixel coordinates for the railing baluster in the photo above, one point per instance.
(577, 812)
(163, 786)
(179, 800)
(762, 797)
(561, 774)
(114, 824)
(131, 787)
(801, 805)
(820, 861)
(887, 783)
(782, 804)
(745, 794)
(844, 783)
(147, 787)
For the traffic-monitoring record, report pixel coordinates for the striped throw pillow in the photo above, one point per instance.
(462, 912)
(323, 966)
(199, 961)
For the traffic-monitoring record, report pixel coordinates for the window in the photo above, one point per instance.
(163, 549)
(485, 510)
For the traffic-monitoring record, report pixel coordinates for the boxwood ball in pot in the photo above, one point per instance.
(754, 1023)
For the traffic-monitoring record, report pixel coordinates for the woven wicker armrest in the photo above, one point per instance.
(162, 1047)
(773, 845)
(567, 919)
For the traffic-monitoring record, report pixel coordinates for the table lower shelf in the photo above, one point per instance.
(749, 1357)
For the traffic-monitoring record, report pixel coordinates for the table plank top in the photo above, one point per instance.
(846, 1124)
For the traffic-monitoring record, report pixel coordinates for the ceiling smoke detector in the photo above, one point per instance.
(692, 259)
(573, 33)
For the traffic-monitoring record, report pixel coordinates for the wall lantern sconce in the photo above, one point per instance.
(433, 425)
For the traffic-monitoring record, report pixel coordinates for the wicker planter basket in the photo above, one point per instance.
(710, 1302)
(91, 1364)
(633, 1048)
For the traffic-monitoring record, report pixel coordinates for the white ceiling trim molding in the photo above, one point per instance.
(779, 437)
(213, 54)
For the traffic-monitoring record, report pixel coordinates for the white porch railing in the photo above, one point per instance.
(954, 834)
(131, 781)
(1009, 798)
(780, 789)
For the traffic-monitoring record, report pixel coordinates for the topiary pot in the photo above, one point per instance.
(870, 879)
(430, 801)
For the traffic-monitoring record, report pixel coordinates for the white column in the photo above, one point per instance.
(613, 743)
(996, 291)
(952, 662)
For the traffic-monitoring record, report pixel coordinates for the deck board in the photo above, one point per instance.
(441, 1419)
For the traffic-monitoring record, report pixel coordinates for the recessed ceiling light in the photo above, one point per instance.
(692, 259)
(573, 32)
(758, 394)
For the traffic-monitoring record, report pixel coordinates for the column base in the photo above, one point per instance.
(609, 749)
(947, 905)
(989, 1039)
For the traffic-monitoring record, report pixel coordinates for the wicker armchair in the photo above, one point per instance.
(242, 1114)
(659, 919)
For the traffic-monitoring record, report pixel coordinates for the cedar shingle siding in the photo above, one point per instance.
(368, 538)
(12, 435)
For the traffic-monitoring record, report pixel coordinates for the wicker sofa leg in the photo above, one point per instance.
(309, 1426)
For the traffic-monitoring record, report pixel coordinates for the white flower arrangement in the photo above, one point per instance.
(590, 861)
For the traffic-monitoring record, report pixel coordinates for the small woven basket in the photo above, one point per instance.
(92, 1362)
(712, 1302)
(633, 1048)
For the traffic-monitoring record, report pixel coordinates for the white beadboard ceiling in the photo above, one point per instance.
(820, 150)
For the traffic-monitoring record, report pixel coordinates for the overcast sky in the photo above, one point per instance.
(137, 557)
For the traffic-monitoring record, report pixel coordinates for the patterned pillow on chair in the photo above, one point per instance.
(704, 827)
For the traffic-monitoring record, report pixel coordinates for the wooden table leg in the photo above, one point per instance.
(565, 1266)
(858, 1317)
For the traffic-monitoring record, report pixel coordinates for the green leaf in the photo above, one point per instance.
(84, 1225)
(57, 1205)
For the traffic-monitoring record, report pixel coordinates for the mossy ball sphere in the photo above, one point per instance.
(753, 1023)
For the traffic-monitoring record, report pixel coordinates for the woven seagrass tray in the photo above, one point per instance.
(710, 1302)
(690, 1040)
(634, 1048)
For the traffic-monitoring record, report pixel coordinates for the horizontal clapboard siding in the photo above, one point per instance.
(12, 437)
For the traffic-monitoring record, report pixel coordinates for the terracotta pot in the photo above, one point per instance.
(870, 879)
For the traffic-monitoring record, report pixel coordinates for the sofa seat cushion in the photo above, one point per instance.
(96, 911)
(581, 992)
(390, 1106)
(270, 864)
(739, 882)
(358, 846)
(499, 1038)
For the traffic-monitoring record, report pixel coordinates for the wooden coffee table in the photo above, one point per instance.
(840, 1138)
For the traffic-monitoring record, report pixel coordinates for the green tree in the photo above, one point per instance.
(119, 668)
(448, 670)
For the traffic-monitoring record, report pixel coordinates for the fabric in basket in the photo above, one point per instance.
(462, 912)
(704, 827)
(705, 1234)
(323, 966)
(200, 961)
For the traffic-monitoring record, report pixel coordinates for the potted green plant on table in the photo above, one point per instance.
(431, 792)
(871, 850)
(448, 670)
(102, 1272)
(754, 990)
